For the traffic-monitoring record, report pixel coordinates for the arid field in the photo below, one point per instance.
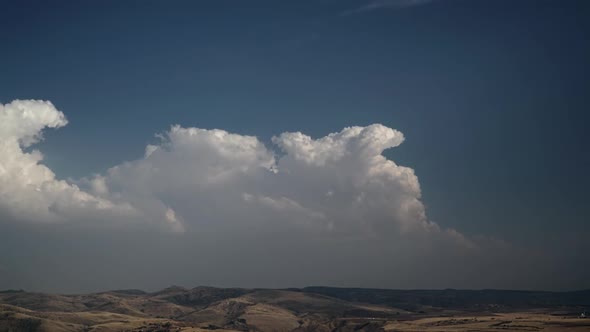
(308, 309)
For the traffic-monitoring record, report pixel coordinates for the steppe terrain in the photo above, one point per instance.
(307, 309)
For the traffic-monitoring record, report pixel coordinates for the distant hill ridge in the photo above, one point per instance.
(443, 298)
(450, 298)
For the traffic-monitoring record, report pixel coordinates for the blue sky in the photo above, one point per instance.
(491, 96)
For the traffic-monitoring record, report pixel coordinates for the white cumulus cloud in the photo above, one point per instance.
(296, 211)
(197, 179)
(28, 189)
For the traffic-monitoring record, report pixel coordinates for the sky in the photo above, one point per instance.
(357, 143)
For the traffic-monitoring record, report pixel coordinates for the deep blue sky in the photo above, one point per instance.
(491, 95)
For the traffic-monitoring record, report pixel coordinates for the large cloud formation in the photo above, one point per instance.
(197, 178)
(294, 213)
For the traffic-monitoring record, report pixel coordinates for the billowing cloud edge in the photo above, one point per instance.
(339, 185)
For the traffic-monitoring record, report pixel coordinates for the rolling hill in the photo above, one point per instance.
(308, 309)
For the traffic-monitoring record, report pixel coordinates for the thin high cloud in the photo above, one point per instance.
(385, 4)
